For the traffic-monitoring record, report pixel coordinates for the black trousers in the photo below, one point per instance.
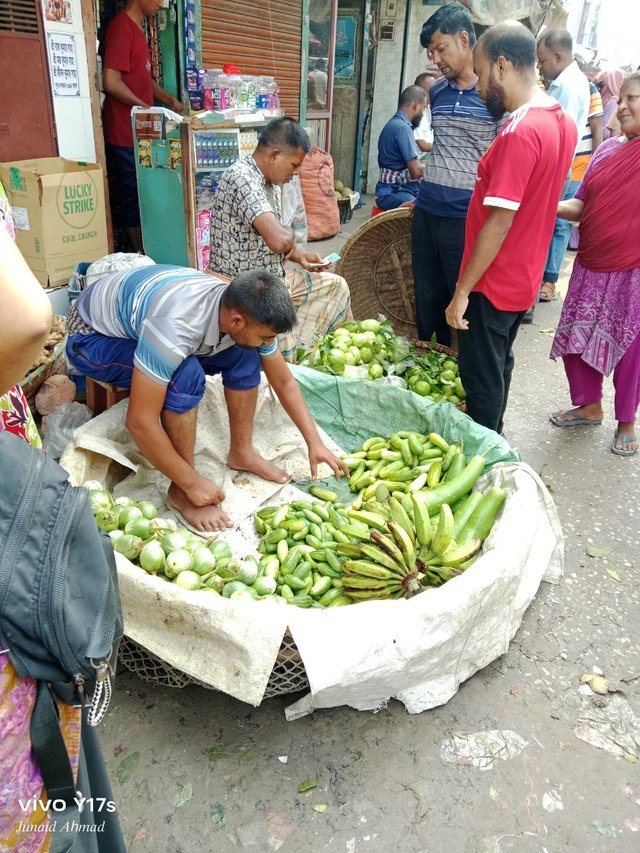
(486, 359)
(437, 244)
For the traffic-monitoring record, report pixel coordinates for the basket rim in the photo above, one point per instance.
(399, 213)
(27, 382)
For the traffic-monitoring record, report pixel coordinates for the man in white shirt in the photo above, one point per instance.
(570, 87)
(423, 134)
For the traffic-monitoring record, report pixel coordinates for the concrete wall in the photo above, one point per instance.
(344, 131)
(416, 58)
(390, 74)
(385, 89)
(74, 123)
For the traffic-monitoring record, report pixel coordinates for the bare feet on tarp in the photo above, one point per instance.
(205, 519)
(256, 464)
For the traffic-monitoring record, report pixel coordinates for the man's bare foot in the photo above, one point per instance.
(255, 464)
(206, 519)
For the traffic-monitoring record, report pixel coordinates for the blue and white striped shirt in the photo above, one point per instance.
(463, 130)
(172, 312)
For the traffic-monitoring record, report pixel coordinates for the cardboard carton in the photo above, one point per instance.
(59, 210)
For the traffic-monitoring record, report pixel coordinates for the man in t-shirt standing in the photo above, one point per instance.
(511, 217)
(462, 132)
(570, 88)
(423, 134)
(128, 83)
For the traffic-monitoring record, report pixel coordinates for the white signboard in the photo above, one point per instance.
(64, 65)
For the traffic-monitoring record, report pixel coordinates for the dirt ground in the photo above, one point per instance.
(194, 770)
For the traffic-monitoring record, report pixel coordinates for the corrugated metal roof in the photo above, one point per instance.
(260, 38)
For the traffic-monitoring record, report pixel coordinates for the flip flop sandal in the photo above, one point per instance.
(547, 292)
(625, 439)
(575, 420)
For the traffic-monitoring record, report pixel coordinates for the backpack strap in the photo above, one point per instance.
(53, 760)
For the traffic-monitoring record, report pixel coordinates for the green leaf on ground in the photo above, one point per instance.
(613, 575)
(184, 796)
(215, 752)
(217, 815)
(307, 785)
(493, 793)
(246, 756)
(356, 754)
(320, 807)
(127, 767)
(592, 551)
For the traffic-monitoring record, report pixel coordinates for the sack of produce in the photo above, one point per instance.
(316, 177)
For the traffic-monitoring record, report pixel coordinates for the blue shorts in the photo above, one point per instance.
(123, 185)
(111, 360)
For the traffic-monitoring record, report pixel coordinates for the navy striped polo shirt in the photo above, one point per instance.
(463, 130)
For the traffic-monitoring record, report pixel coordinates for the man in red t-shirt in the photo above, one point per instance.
(510, 219)
(127, 82)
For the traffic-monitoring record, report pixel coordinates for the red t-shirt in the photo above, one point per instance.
(126, 51)
(523, 170)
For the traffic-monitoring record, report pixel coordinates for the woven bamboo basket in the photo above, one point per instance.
(376, 263)
(55, 364)
(287, 676)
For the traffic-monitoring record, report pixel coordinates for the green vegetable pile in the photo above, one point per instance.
(371, 350)
(162, 548)
(399, 536)
(414, 524)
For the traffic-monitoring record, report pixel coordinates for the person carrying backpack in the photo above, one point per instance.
(50, 759)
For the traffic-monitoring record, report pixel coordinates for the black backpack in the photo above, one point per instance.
(60, 612)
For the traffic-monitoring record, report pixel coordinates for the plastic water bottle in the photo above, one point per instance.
(262, 94)
(220, 90)
(234, 85)
(248, 92)
(273, 101)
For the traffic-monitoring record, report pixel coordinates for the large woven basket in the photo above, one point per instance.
(287, 676)
(376, 263)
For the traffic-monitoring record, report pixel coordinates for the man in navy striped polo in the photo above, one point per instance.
(463, 130)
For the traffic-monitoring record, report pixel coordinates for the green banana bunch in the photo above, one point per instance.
(414, 524)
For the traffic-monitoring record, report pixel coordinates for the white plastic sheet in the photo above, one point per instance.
(418, 651)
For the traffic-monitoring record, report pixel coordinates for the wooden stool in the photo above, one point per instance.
(102, 395)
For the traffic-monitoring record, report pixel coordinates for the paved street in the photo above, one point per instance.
(197, 771)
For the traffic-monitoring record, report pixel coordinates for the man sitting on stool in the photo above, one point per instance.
(159, 330)
(398, 154)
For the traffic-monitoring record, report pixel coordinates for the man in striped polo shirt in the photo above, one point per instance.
(462, 132)
(159, 330)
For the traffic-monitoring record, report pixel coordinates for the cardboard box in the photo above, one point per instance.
(59, 210)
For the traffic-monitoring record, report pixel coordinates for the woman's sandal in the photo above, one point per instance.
(625, 440)
(547, 291)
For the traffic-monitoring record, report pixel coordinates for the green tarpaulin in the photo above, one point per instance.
(352, 410)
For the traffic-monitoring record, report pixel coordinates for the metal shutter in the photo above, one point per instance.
(260, 38)
(18, 16)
